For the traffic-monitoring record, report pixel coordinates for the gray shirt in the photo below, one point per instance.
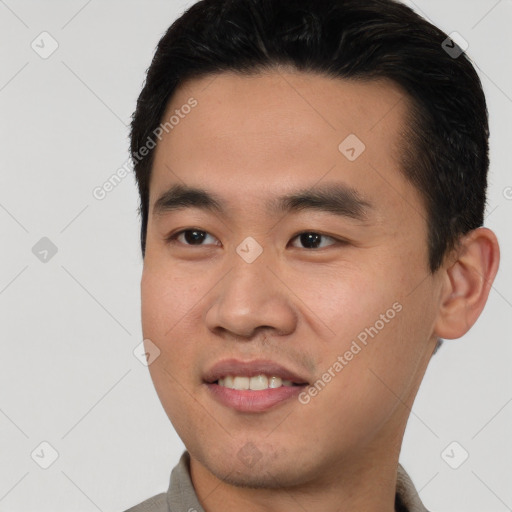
(181, 497)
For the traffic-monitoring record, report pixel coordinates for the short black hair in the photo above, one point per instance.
(445, 144)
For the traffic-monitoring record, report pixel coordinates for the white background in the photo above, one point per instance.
(69, 326)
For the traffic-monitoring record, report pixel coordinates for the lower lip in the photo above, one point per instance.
(253, 401)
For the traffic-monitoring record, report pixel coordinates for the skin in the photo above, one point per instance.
(249, 139)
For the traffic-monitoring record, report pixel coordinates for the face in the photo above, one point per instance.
(286, 253)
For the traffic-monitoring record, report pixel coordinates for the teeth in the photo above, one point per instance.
(275, 382)
(241, 383)
(257, 383)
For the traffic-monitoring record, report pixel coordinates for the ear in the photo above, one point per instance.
(467, 281)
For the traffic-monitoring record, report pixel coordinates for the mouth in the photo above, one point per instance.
(253, 386)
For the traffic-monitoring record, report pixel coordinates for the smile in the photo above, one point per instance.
(253, 386)
(256, 383)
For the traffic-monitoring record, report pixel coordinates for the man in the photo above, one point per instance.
(312, 178)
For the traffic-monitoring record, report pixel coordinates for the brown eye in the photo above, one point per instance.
(313, 240)
(194, 237)
(190, 237)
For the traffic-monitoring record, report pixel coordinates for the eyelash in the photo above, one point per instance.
(173, 238)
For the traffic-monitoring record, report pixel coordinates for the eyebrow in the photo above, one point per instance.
(335, 198)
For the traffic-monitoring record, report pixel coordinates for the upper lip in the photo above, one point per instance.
(252, 368)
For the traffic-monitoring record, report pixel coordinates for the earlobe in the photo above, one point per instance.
(467, 282)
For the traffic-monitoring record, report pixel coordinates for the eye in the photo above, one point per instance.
(313, 240)
(190, 237)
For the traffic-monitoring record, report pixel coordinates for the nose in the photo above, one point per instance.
(251, 298)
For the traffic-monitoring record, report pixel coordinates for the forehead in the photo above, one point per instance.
(251, 133)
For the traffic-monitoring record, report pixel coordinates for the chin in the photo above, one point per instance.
(254, 481)
(256, 468)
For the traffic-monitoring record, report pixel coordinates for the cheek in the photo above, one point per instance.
(166, 301)
(165, 311)
(346, 299)
(164, 308)
(397, 343)
(374, 320)
(373, 378)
